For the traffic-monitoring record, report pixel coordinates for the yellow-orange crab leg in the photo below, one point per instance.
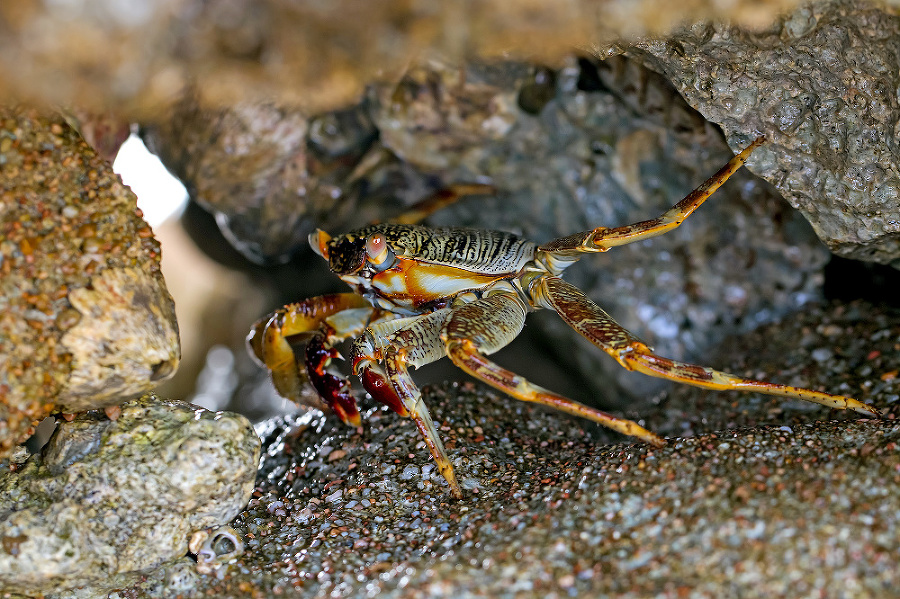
(440, 199)
(486, 325)
(597, 326)
(416, 342)
(270, 342)
(294, 319)
(603, 238)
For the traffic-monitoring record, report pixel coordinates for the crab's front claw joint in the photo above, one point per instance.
(272, 351)
(255, 341)
(334, 390)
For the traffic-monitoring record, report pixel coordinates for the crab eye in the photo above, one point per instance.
(376, 248)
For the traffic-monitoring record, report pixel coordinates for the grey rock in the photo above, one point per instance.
(108, 501)
(821, 85)
(270, 174)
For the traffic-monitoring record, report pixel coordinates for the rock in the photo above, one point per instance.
(138, 59)
(440, 117)
(127, 328)
(821, 84)
(270, 174)
(85, 317)
(105, 132)
(804, 502)
(108, 501)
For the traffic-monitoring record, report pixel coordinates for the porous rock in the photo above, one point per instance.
(821, 84)
(85, 317)
(106, 501)
(270, 174)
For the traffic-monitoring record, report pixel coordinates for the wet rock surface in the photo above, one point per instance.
(85, 317)
(106, 502)
(803, 502)
(821, 84)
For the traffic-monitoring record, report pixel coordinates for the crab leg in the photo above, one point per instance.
(597, 326)
(486, 325)
(440, 199)
(416, 342)
(341, 315)
(602, 238)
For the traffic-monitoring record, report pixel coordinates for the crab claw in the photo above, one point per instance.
(379, 387)
(344, 406)
(334, 390)
(255, 341)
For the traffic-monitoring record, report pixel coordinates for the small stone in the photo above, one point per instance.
(822, 354)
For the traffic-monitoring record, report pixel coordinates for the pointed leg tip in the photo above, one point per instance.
(649, 437)
(346, 410)
(866, 409)
(656, 441)
(450, 476)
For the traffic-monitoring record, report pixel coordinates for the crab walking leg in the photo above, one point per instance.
(396, 345)
(269, 342)
(486, 325)
(602, 238)
(597, 326)
(441, 199)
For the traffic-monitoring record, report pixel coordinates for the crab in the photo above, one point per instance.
(422, 293)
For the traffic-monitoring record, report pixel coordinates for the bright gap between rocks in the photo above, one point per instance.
(159, 195)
